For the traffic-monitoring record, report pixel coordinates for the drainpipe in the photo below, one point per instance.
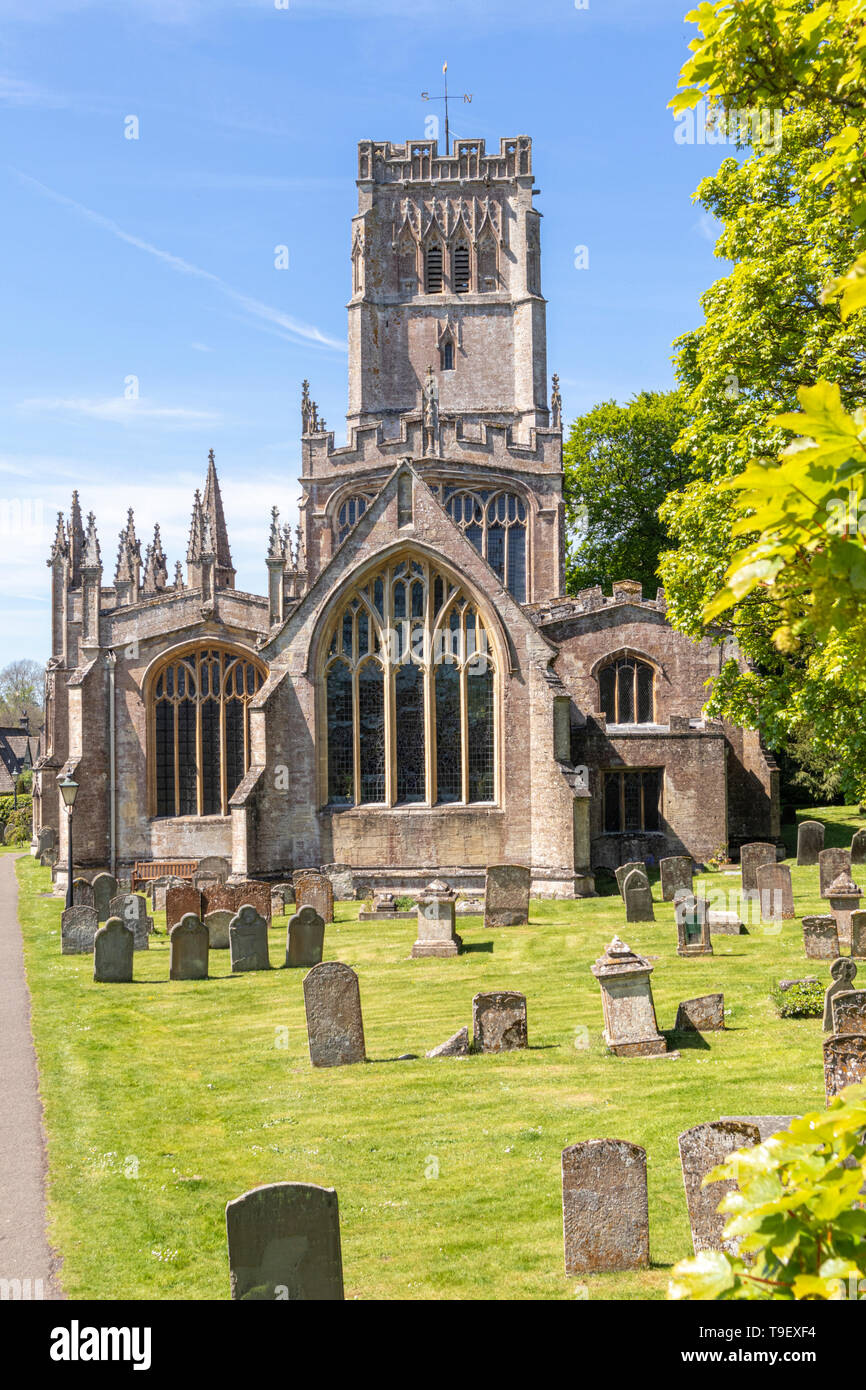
(111, 659)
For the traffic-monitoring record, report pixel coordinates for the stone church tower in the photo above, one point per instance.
(415, 694)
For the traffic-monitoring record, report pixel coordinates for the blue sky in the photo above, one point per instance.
(154, 258)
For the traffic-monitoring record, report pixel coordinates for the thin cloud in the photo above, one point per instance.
(120, 410)
(296, 328)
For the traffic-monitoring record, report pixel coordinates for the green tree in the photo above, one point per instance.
(619, 464)
(21, 685)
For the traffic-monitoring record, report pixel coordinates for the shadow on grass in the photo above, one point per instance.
(469, 946)
(681, 1041)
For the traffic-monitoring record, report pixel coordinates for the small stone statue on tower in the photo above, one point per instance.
(431, 412)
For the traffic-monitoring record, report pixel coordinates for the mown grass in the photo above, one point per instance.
(164, 1100)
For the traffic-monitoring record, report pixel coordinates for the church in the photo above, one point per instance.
(414, 693)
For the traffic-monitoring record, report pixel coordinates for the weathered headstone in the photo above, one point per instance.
(455, 1046)
(305, 937)
(693, 926)
(499, 1021)
(506, 895)
(858, 935)
(844, 897)
(436, 918)
(78, 927)
(832, 863)
(676, 876)
(342, 878)
(104, 889)
(315, 890)
(810, 841)
(281, 895)
(234, 896)
(248, 940)
(768, 1125)
(638, 897)
(113, 947)
(776, 892)
(706, 1014)
(215, 867)
(188, 949)
(158, 888)
(131, 908)
(724, 923)
(218, 928)
(335, 1028)
(858, 847)
(820, 938)
(844, 1062)
(630, 1028)
(702, 1149)
(624, 870)
(605, 1211)
(181, 900)
(849, 1011)
(82, 893)
(751, 857)
(284, 1244)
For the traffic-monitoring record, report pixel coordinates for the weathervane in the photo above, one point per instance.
(425, 96)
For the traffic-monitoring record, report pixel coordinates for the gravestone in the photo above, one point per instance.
(78, 927)
(234, 896)
(218, 928)
(281, 895)
(82, 893)
(499, 1021)
(768, 1125)
(305, 937)
(248, 940)
(158, 888)
(858, 935)
(181, 900)
(335, 1028)
(314, 890)
(284, 1244)
(46, 845)
(131, 908)
(605, 1211)
(810, 841)
(702, 1149)
(832, 863)
(188, 949)
(113, 947)
(777, 893)
(706, 1014)
(724, 923)
(751, 857)
(624, 870)
(693, 926)
(638, 897)
(342, 878)
(214, 867)
(844, 896)
(820, 938)
(455, 1046)
(506, 895)
(676, 876)
(104, 889)
(844, 1062)
(858, 847)
(436, 916)
(630, 1028)
(849, 1012)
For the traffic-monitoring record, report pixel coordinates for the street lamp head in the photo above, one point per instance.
(68, 790)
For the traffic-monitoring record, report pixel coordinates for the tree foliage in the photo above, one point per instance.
(21, 684)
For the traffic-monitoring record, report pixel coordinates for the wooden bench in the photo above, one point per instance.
(147, 869)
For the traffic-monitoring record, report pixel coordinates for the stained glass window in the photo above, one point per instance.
(495, 523)
(409, 719)
(341, 771)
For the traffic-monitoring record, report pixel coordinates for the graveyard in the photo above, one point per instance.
(167, 1098)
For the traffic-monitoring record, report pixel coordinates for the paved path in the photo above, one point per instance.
(24, 1250)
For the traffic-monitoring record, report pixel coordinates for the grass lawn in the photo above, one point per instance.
(164, 1100)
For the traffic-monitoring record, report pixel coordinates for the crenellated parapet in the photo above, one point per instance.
(419, 161)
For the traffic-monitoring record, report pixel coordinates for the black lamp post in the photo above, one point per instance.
(68, 790)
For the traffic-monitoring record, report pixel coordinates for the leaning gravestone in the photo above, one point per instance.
(113, 947)
(188, 949)
(849, 1012)
(638, 897)
(810, 841)
(844, 1062)
(858, 847)
(284, 1244)
(305, 937)
(455, 1046)
(832, 863)
(104, 889)
(315, 890)
(82, 893)
(605, 1212)
(776, 893)
(624, 870)
(78, 927)
(499, 1021)
(702, 1149)
(751, 857)
(706, 1014)
(820, 938)
(676, 876)
(131, 908)
(218, 926)
(179, 901)
(858, 935)
(506, 895)
(842, 973)
(248, 940)
(335, 1028)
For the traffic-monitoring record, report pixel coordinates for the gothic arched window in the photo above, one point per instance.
(460, 277)
(487, 275)
(409, 693)
(448, 355)
(407, 264)
(626, 688)
(495, 523)
(433, 268)
(199, 725)
(350, 511)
